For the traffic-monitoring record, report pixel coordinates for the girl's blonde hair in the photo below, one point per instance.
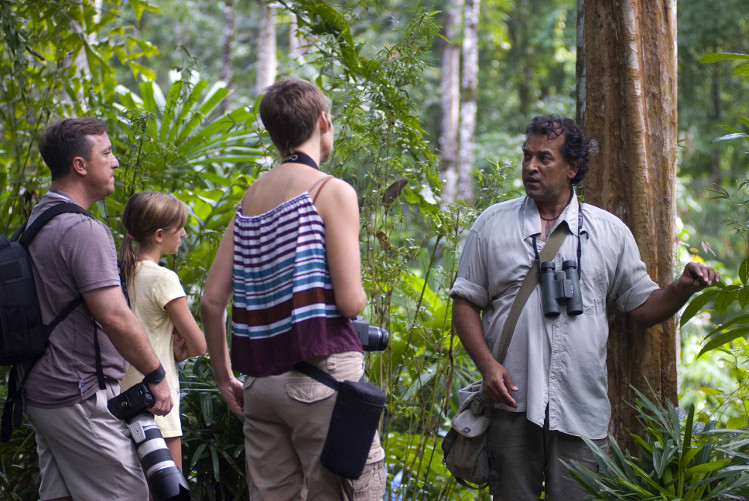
(144, 213)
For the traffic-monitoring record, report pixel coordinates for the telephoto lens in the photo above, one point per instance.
(165, 480)
(372, 338)
(575, 301)
(549, 290)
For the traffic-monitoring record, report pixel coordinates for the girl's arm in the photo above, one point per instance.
(218, 291)
(187, 327)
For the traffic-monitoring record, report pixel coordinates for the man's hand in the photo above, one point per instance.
(163, 397)
(697, 276)
(498, 384)
(233, 393)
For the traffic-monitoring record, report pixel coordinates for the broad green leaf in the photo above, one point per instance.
(722, 339)
(722, 56)
(708, 467)
(696, 304)
(741, 71)
(139, 6)
(729, 137)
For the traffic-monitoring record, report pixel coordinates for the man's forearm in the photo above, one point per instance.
(467, 323)
(661, 305)
(123, 328)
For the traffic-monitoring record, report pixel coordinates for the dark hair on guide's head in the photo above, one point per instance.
(144, 213)
(577, 147)
(66, 139)
(289, 110)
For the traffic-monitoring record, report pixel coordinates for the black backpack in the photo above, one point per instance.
(23, 334)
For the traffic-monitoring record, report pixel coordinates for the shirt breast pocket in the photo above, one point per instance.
(594, 286)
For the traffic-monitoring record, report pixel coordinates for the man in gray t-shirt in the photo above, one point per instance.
(85, 453)
(551, 388)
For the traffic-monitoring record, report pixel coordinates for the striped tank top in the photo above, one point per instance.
(284, 308)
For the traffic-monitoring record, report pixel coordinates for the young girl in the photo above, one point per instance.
(155, 224)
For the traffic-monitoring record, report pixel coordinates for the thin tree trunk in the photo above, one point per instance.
(450, 101)
(81, 61)
(469, 94)
(297, 42)
(266, 48)
(226, 67)
(717, 118)
(627, 101)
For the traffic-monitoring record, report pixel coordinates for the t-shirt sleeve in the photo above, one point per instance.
(88, 250)
(471, 282)
(167, 288)
(632, 285)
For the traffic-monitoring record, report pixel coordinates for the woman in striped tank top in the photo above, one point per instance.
(290, 262)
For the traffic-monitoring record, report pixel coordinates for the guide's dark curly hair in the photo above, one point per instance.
(576, 148)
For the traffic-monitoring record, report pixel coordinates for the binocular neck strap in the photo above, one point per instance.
(545, 255)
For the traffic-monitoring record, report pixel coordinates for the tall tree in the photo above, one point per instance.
(627, 101)
(469, 87)
(266, 47)
(226, 66)
(450, 99)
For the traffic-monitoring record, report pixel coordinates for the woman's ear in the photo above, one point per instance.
(325, 123)
(158, 235)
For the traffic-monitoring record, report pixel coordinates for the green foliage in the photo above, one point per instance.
(729, 300)
(212, 440)
(19, 465)
(677, 458)
(57, 60)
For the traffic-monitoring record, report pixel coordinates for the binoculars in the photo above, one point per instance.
(558, 287)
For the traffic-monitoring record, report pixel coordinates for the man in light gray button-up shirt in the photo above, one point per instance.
(551, 388)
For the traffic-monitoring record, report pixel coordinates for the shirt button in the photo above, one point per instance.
(558, 324)
(553, 376)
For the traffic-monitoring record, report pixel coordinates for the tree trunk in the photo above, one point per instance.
(297, 42)
(468, 98)
(81, 60)
(450, 100)
(627, 102)
(717, 118)
(266, 48)
(226, 67)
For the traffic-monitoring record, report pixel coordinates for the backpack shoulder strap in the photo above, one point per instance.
(28, 232)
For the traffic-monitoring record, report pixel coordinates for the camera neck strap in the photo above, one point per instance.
(529, 283)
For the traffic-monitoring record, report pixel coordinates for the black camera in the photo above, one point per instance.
(560, 287)
(372, 338)
(165, 481)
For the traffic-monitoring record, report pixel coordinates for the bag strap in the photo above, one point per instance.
(318, 375)
(529, 283)
(27, 233)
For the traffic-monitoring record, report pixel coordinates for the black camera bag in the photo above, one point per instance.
(355, 418)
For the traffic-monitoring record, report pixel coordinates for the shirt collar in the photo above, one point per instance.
(532, 221)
